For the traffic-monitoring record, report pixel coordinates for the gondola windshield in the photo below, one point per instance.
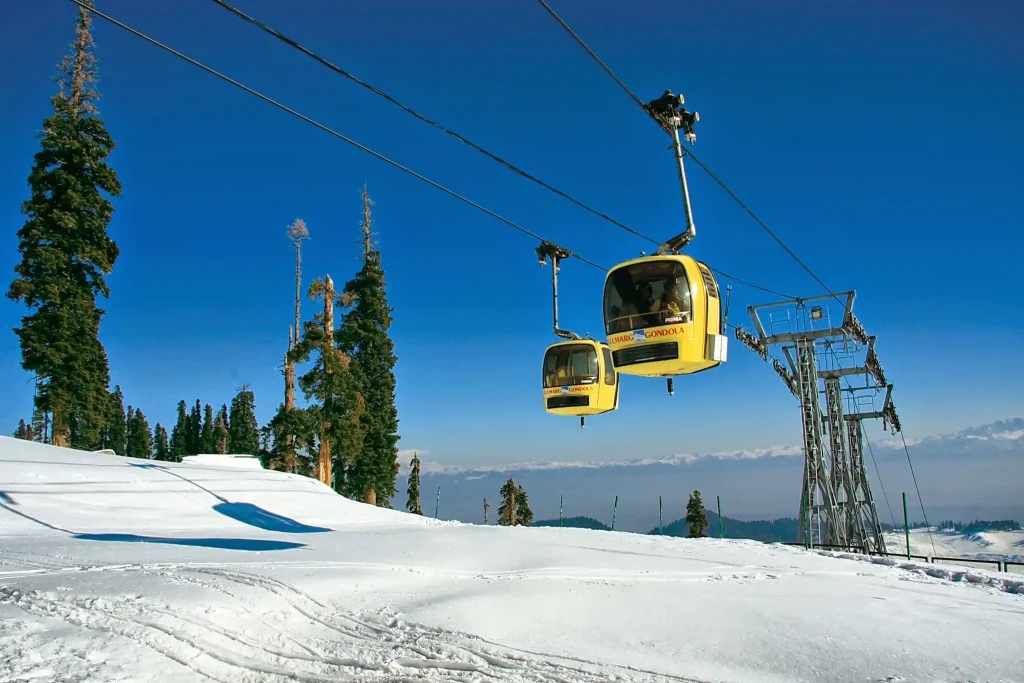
(643, 295)
(570, 364)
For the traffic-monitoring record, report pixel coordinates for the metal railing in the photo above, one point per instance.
(1005, 566)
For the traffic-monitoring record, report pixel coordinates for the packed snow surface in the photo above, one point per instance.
(114, 569)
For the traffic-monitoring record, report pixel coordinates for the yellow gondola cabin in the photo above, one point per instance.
(663, 316)
(579, 379)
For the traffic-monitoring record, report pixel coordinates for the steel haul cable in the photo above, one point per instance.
(689, 153)
(377, 91)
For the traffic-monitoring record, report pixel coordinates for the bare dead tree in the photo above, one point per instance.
(289, 399)
(367, 224)
(80, 67)
(324, 467)
(297, 232)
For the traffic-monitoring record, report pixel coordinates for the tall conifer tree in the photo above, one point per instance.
(508, 511)
(194, 440)
(413, 504)
(209, 435)
(40, 424)
(220, 431)
(129, 434)
(524, 515)
(161, 447)
(140, 437)
(363, 336)
(179, 434)
(696, 517)
(65, 254)
(116, 434)
(24, 431)
(243, 429)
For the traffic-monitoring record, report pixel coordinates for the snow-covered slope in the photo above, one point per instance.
(986, 545)
(117, 569)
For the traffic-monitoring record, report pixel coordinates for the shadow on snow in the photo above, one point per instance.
(253, 515)
(246, 513)
(250, 544)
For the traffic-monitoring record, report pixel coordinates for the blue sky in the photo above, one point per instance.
(880, 141)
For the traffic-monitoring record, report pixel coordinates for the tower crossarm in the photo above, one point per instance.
(786, 376)
(755, 344)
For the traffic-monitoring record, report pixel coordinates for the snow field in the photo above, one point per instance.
(115, 569)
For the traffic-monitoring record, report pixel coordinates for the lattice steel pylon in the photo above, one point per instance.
(836, 505)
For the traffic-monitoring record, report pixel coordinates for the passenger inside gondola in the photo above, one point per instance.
(674, 303)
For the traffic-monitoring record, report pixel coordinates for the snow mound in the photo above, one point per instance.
(224, 460)
(61, 490)
(114, 569)
(986, 545)
(982, 538)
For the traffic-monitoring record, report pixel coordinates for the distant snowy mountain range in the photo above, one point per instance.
(971, 474)
(1004, 435)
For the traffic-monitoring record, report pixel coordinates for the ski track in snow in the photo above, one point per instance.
(374, 646)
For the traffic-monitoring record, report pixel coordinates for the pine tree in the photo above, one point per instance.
(363, 336)
(220, 431)
(335, 420)
(524, 515)
(508, 511)
(65, 253)
(179, 435)
(696, 517)
(413, 505)
(24, 431)
(162, 450)
(292, 437)
(40, 426)
(209, 437)
(129, 440)
(194, 435)
(243, 430)
(140, 437)
(116, 430)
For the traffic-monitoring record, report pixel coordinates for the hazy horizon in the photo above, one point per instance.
(760, 484)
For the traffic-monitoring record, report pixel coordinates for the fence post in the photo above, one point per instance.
(661, 526)
(906, 524)
(559, 509)
(615, 508)
(437, 505)
(720, 533)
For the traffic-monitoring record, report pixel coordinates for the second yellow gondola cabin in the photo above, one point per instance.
(579, 379)
(663, 316)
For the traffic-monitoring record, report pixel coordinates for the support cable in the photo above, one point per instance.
(919, 499)
(515, 169)
(878, 474)
(321, 126)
